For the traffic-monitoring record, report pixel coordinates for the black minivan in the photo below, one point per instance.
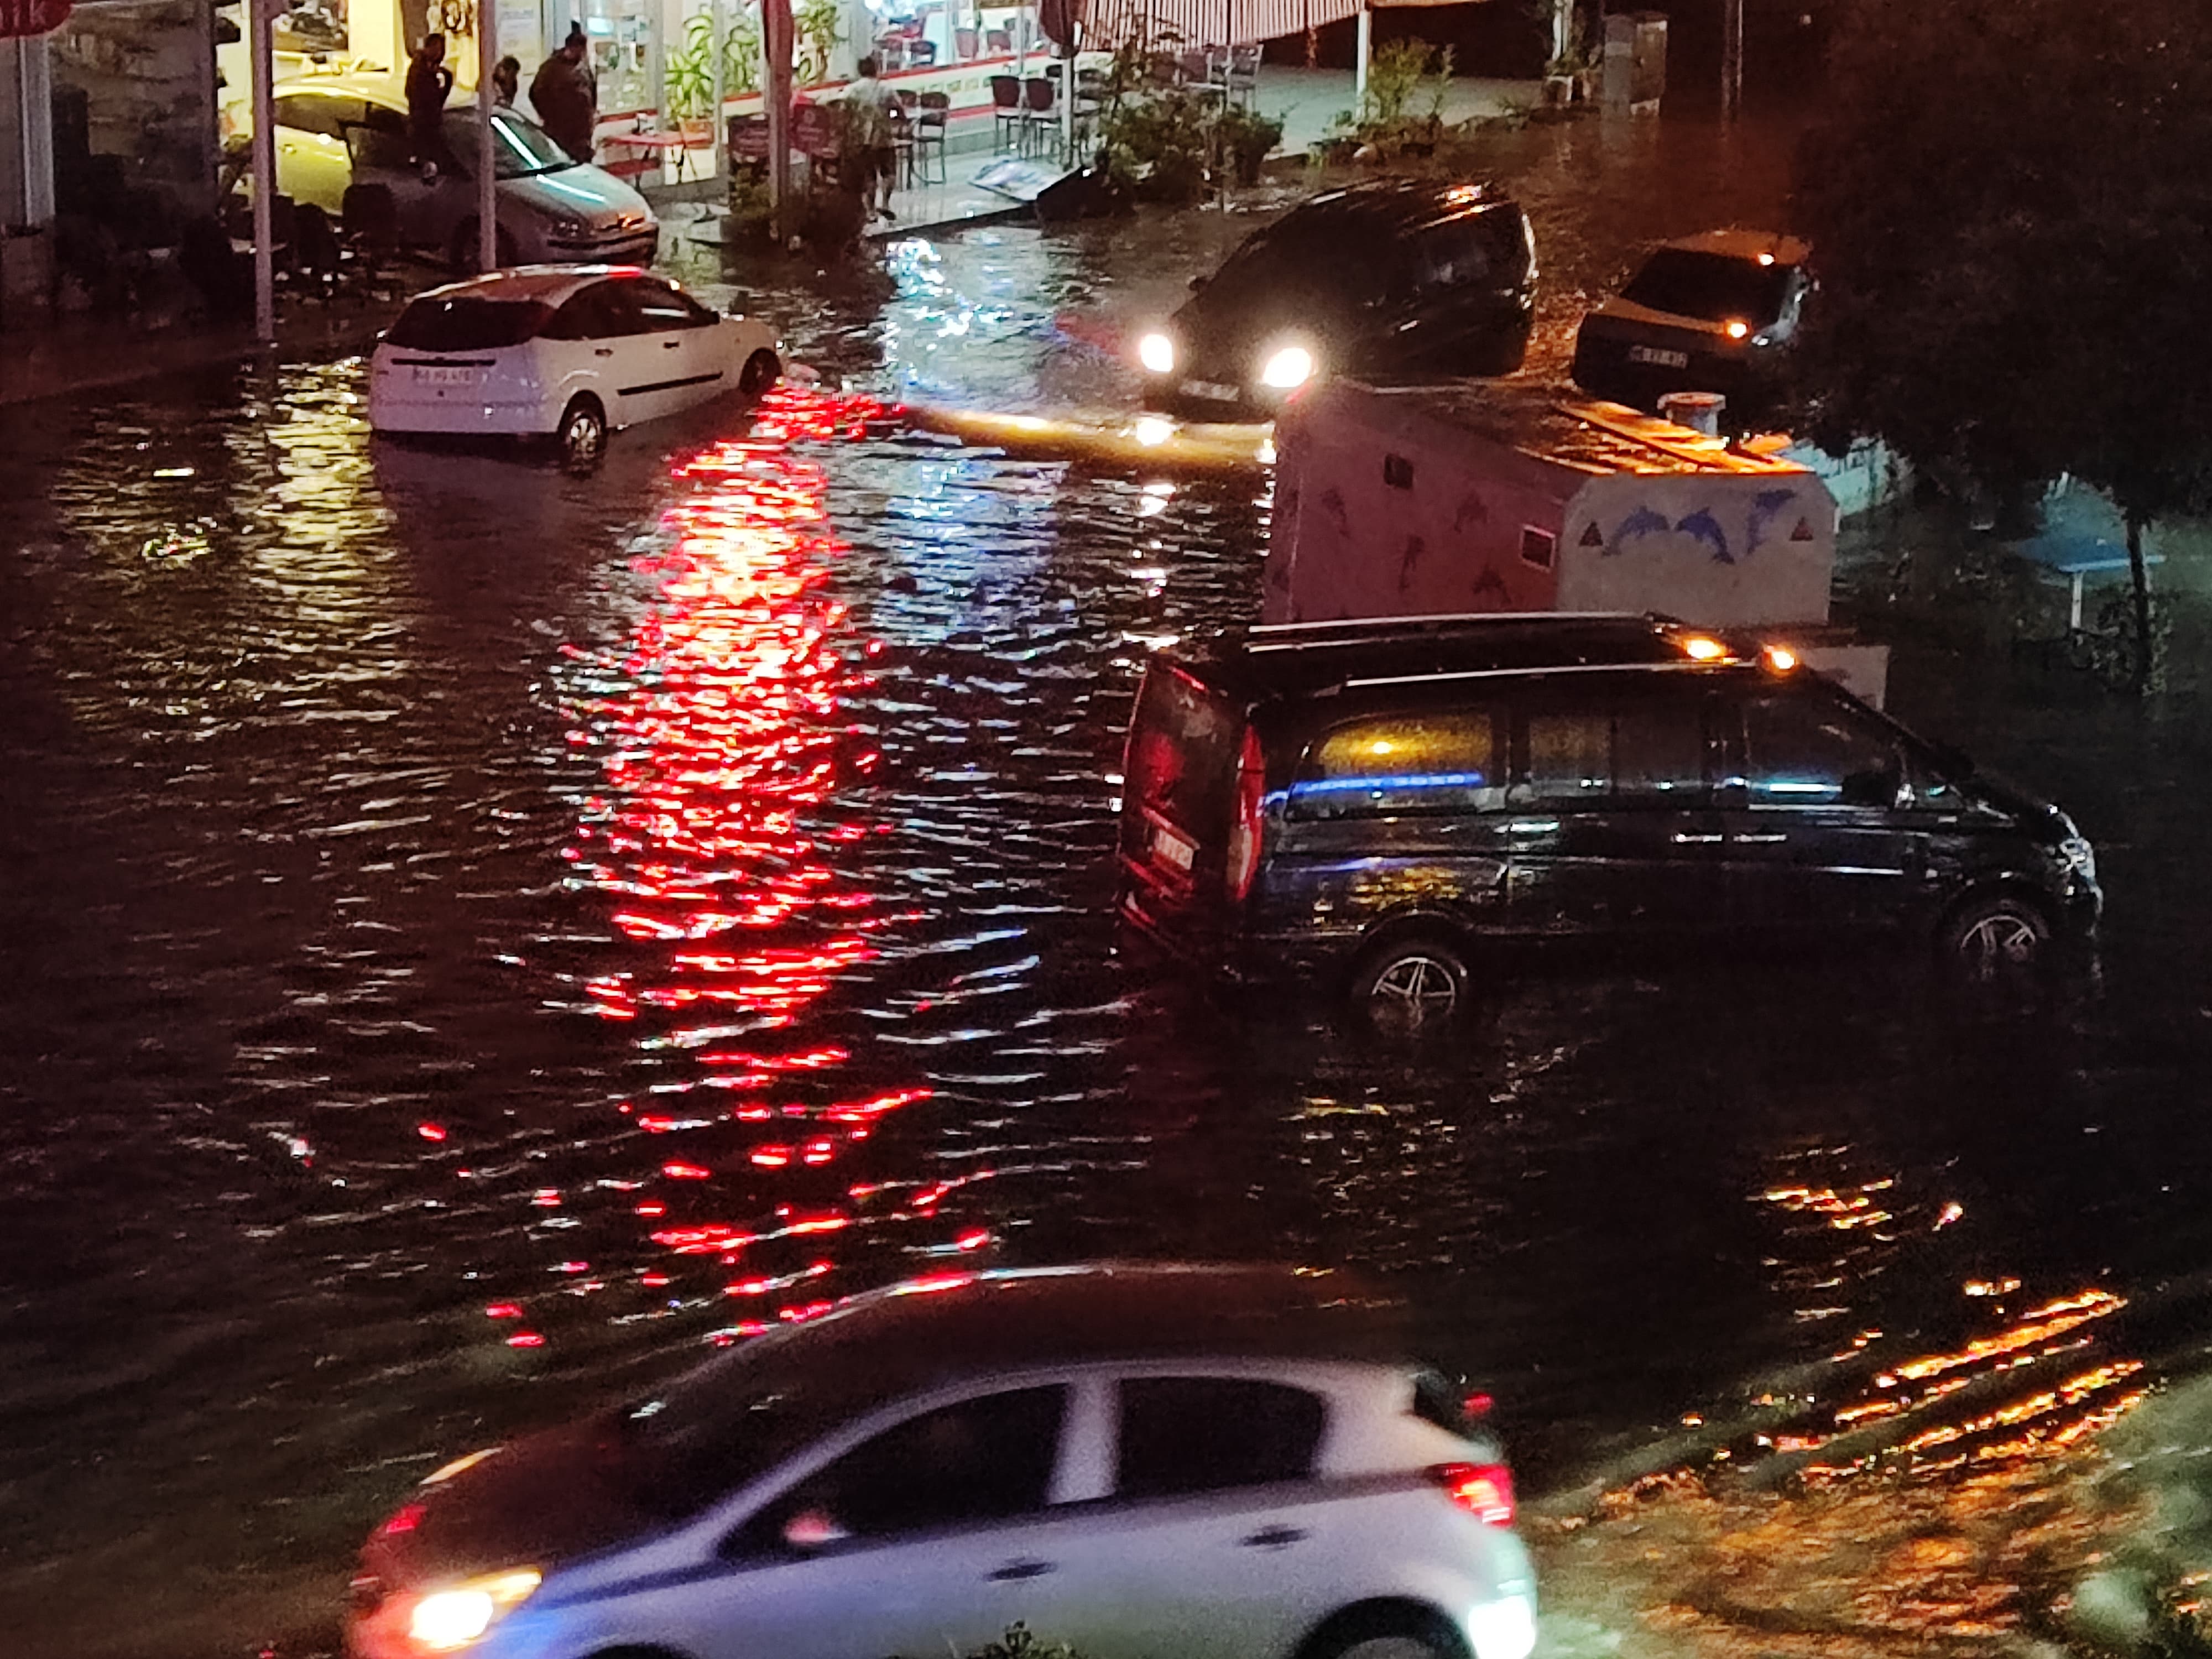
(1389, 281)
(1377, 802)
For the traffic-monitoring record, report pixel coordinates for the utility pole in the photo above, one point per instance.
(1731, 59)
(487, 153)
(261, 56)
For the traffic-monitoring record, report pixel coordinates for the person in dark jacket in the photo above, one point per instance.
(566, 97)
(428, 81)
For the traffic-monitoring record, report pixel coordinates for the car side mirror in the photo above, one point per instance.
(1198, 283)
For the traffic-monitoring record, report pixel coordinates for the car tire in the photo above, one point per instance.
(461, 252)
(1993, 939)
(1399, 1632)
(762, 370)
(581, 437)
(1411, 985)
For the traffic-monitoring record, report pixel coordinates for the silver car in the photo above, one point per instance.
(336, 131)
(1203, 1462)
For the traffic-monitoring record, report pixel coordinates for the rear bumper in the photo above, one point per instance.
(400, 415)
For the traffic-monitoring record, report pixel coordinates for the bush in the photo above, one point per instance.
(1019, 1644)
(1404, 104)
(1245, 136)
(1159, 142)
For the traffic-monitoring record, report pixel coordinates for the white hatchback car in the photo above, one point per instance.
(565, 351)
(1142, 1461)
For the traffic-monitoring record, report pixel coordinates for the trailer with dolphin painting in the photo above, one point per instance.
(1492, 497)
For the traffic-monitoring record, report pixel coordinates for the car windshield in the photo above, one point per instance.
(1311, 253)
(1714, 288)
(519, 150)
(465, 322)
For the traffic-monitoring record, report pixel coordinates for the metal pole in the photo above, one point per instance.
(1731, 59)
(261, 54)
(775, 79)
(1366, 49)
(718, 134)
(487, 180)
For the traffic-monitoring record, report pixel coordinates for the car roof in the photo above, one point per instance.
(959, 1324)
(1300, 659)
(1772, 246)
(387, 90)
(549, 283)
(1403, 204)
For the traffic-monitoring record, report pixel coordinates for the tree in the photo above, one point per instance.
(2010, 205)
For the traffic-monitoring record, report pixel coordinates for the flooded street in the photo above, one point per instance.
(477, 938)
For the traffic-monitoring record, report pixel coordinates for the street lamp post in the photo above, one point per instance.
(487, 184)
(1731, 59)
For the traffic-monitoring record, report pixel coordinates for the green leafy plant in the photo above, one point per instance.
(1404, 103)
(1159, 142)
(690, 70)
(815, 24)
(1245, 136)
(1019, 1643)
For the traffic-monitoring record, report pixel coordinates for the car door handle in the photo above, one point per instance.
(670, 345)
(1760, 841)
(603, 351)
(1014, 1570)
(1271, 1538)
(1684, 840)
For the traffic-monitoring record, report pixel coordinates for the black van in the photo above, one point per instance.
(1387, 281)
(1374, 802)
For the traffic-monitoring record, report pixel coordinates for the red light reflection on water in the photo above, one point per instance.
(730, 768)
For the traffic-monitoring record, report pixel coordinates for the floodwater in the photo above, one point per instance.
(477, 939)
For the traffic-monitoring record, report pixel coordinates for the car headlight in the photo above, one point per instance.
(447, 1620)
(567, 228)
(1157, 353)
(1293, 365)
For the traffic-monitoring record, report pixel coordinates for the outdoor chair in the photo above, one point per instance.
(964, 44)
(920, 54)
(901, 111)
(1006, 118)
(891, 53)
(368, 218)
(1193, 69)
(999, 43)
(1040, 112)
(929, 133)
(317, 256)
(1243, 73)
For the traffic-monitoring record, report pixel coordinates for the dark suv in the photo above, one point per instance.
(1376, 801)
(1388, 281)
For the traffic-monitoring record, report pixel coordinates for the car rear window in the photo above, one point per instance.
(1182, 750)
(1438, 763)
(462, 323)
(1714, 288)
(1188, 1434)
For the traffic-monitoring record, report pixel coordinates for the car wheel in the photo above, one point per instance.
(581, 437)
(1390, 1647)
(1396, 1632)
(1995, 938)
(1417, 985)
(761, 372)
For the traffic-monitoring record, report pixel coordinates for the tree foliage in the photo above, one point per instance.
(2010, 205)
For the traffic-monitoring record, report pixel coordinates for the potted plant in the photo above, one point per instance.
(1246, 138)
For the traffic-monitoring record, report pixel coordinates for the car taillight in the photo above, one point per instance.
(1246, 834)
(1484, 1491)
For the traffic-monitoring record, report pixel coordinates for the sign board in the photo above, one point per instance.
(23, 18)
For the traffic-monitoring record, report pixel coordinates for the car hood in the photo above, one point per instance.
(537, 1502)
(598, 198)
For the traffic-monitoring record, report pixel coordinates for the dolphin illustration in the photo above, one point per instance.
(1702, 525)
(1765, 507)
(1642, 522)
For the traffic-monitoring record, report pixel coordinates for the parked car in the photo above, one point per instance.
(1384, 804)
(1136, 1461)
(569, 352)
(1385, 280)
(336, 131)
(1704, 313)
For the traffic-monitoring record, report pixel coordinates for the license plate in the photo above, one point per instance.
(1173, 850)
(445, 377)
(1658, 357)
(1213, 389)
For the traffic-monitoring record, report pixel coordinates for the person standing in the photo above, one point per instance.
(566, 96)
(868, 137)
(506, 81)
(428, 81)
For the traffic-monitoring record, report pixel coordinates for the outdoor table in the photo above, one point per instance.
(2073, 558)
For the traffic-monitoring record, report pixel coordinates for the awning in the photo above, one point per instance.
(1221, 22)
